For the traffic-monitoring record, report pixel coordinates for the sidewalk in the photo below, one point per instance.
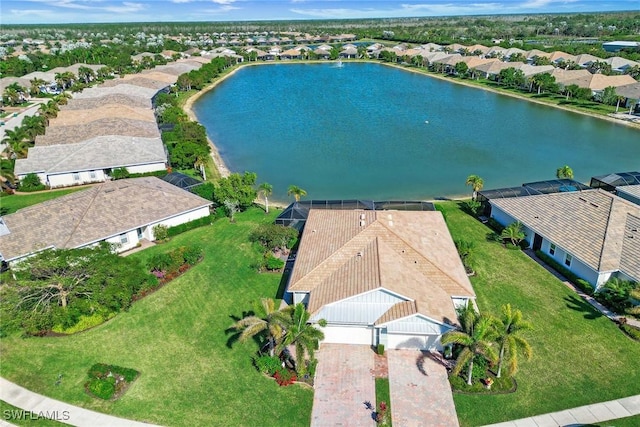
(602, 309)
(588, 414)
(55, 409)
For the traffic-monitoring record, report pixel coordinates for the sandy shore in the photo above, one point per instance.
(224, 170)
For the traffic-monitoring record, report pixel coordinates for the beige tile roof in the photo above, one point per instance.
(589, 224)
(585, 58)
(496, 66)
(114, 98)
(125, 89)
(562, 76)
(138, 80)
(478, 47)
(108, 111)
(558, 55)
(630, 260)
(409, 253)
(629, 91)
(600, 81)
(475, 61)
(108, 126)
(94, 214)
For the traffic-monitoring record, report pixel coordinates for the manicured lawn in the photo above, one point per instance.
(18, 201)
(622, 422)
(176, 338)
(580, 357)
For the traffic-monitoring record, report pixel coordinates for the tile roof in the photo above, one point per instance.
(107, 126)
(138, 80)
(113, 98)
(94, 214)
(406, 252)
(124, 89)
(101, 152)
(76, 117)
(589, 224)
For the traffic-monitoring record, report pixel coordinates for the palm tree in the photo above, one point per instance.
(266, 189)
(62, 98)
(301, 334)
(16, 142)
(36, 83)
(475, 337)
(267, 322)
(6, 172)
(476, 183)
(296, 191)
(33, 126)
(49, 110)
(509, 328)
(513, 232)
(564, 172)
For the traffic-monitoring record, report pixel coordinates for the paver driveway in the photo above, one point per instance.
(420, 391)
(343, 382)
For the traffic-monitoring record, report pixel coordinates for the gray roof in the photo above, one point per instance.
(101, 152)
(632, 190)
(125, 89)
(631, 91)
(591, 225)
(137, 81)
(95, 214)
(56, 135)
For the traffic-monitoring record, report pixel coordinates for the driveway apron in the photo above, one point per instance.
(420, 391)
(344, 381)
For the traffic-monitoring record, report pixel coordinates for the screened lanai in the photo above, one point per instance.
(613, 180)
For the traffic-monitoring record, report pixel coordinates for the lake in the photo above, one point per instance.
(369, 131)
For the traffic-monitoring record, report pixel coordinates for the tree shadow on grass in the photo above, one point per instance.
(234, 334)
(576, 303)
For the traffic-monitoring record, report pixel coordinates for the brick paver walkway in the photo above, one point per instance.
(420, 391)
(343, 382)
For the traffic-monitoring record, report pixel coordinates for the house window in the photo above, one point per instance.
(552, 249)
(92, 174)
(567, 260)
(76, 177)
(124, 239)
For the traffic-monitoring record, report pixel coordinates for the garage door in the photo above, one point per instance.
(417, 342)
(348, 335)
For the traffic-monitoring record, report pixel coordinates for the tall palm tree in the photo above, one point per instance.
(476, 184)
(49, 110)
(36, 83)
(62, 98)
(33, 126)
(6, 172)
(304, 336)
(16, 142)
(267, 321)
(266, 189)
(296, 191)
(475, 337)
(509, 327)
(564, 172)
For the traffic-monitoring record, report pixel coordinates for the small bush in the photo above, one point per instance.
(284, 377)
(120, 173)
(159, 262)
(268, 364)
(273, 236)
(31, 182)
(102, 388)
(380, 349)
(160, 232)
(109, 381)
(272, 263)
(196, 223)
(192, 255)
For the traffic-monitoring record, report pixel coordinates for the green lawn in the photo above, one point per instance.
(622, 422)
(18, 201)
(580, 357)
(17, 416)
(176, 338)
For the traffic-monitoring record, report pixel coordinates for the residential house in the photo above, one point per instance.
(104, 126)
(593, 233)
(380, 277)
(122, 212)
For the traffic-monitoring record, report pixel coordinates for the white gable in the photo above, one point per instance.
(417, 324)
(362, 309)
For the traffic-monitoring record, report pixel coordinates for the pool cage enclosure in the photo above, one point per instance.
(295, 215)
(613, 180)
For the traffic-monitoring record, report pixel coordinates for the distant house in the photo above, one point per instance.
(121, 212)
(617, 46)
(380, 277)
(593, 233)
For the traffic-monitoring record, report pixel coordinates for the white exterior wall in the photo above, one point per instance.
(131, 240)
(179, 219)
(151, 167)
(502, 217)
(348, 334)
(414, 342)
(577, 267)
(68, 179)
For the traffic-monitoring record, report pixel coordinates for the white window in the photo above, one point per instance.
(76, 177)
(124, 238)
(92, 174)
(552, 249)
(567, 260)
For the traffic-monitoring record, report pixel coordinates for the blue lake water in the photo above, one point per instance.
(361, 131)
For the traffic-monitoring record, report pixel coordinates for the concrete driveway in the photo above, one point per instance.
(343, 382)
(420, 391)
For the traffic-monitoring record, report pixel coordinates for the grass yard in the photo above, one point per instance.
(18, 417)
(579, 356)
(18, 201)
(176, 339)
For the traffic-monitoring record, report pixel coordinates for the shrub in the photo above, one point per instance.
(159, 262)
(273, 236)
(580, 283)
(615, 294)
(102, 388)
(631, 331)
(268, 364)
(106, 381)
(192, 254)
(31, 182)
(160, 232)
(120, 173)
(196, 223)
(284, 377)
(272, 263)
(380, 349)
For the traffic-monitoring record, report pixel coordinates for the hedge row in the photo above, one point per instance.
(580, 283)
(196, 223)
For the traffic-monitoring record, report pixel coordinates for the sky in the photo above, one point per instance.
(92, 11)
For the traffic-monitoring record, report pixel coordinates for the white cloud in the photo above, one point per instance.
(223, 1)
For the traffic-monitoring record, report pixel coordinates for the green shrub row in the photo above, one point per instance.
(159, 174)
(573, 278)
(196, 223)
(170, 262)
(631, 331)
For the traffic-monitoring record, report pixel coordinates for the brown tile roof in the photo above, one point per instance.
(76, 117)
(630, 260)
(138, 80)
(94, 214)
(563, 75)
(115, 98)
(589, 224)
(408, 253)
(108, 126)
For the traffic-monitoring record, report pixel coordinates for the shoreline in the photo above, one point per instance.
(224, 171)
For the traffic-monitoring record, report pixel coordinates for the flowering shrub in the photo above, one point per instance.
(284, 377)
(382, 415)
